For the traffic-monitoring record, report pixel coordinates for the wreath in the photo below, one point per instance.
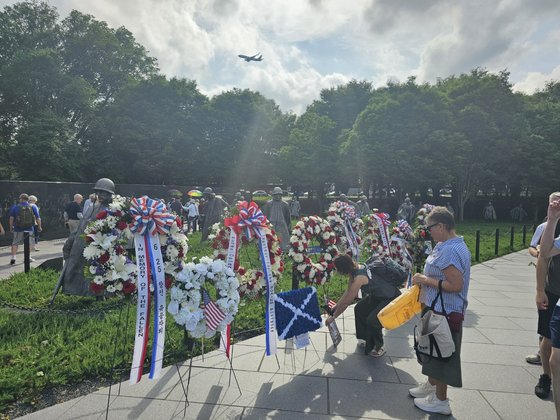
(187, 302)
(252, 281)
(401, 250)
(372, 235)
(421, 236)
(341, 214)
(307, 229)
(110, 264)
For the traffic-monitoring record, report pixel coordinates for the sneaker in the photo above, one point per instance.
(542, 390)
(377, 353)
(12, 261)
(32, 259)
(433, 404)
(361, 343)
(534, 359)
(422, 390)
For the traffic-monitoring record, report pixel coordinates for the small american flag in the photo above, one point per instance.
(330, 303)
(212, 313)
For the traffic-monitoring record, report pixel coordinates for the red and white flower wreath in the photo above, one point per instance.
(110, 265)
(252, 282)
(339, 213)
(372, 235)
(304, 231)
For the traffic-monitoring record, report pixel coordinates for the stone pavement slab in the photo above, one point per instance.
(327, 382)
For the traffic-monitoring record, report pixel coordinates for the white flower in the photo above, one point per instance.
(173, 307)
(103, 241)
(298, 258)
(110, 288)
(91, 252)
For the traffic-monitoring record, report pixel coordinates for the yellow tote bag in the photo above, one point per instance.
(401, 309)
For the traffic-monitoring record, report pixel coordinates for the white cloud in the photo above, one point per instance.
(536, 81)
(309, 45)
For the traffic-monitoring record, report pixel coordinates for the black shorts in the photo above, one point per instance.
(546, 315)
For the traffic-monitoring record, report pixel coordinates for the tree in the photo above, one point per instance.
(400, 137)
(310, 152)
(152, 133)
(489, 122)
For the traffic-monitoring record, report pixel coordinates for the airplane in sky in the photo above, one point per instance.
(255, 57)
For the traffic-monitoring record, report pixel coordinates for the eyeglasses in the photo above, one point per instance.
(429, 227)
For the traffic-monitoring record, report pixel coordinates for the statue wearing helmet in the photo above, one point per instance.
(277, 212)
(72, 278)
(212, 211)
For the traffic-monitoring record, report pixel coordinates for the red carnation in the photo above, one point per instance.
(101, 215)
(422, 234)
(259, 274)
(118, 213)
(225, 243)
(88, 239)
(103, 258)
(221, 256)
(119, 250)
(168, 281)
(128, 287)
(241, 271)
(96, 288)
(281, 269)
(121, 225)
(272, 259)
(236, 265)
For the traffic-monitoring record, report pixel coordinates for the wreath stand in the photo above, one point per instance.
(121, 343)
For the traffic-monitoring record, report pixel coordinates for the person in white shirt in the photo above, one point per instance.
(192, 218)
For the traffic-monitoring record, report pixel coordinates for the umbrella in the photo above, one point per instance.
(175, 193)
(194, 193)
(260, 193)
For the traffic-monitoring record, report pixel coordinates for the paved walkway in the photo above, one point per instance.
(46, 250)
(324, 382)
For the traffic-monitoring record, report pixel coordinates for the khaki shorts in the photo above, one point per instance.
(73, 225)
(18, 237)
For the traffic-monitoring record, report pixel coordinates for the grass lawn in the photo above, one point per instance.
(74, 340)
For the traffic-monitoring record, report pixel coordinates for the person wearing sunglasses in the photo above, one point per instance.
(448, 264)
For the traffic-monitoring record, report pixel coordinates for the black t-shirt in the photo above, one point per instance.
(376, 286)
(72, 209)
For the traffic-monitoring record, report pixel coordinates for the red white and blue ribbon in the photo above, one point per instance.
(383, 222)
(250, 220)
(150, 218)
(349, 214)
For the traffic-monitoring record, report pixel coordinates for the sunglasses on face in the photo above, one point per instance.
(429, 227)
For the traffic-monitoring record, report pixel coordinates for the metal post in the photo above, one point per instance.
(497, 245)
(26, 251)
(477, 247)
(511, 233)
(295, 278)
(524, 234)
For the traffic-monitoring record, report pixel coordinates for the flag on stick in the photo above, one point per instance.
(212, 313)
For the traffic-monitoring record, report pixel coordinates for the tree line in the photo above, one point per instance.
(80, 100)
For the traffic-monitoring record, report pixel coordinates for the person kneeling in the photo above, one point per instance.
(378, 293)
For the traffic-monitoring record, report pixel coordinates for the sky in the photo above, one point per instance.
(310, 45)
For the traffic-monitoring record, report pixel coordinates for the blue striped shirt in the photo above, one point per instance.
(453, 252)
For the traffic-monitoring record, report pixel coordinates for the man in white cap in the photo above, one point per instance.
(278, 213)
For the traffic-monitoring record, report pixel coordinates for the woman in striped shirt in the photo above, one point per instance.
(448, 264)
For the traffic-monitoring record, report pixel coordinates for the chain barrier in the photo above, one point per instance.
(21, 308)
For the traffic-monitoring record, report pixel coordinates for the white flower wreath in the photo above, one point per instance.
(186, 295)
(305, 230)
(339, 212)
(111, 265)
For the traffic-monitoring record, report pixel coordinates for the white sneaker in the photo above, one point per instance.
(433, 404)
(422, 390)
(361, 343)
